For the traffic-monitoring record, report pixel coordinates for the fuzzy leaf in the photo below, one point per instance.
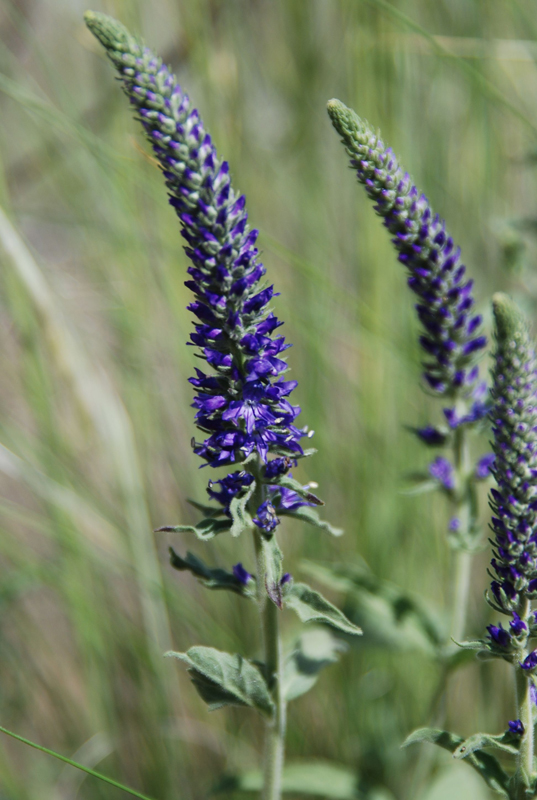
(315, 650)
(311, 606)
(315, 778)
(273, 559)
(290, 483)
(211, 578)
(485, 764)
(204, 530)
(310, 515)
(225, 679)
(506, 741)
(389, 616)
(209, 511)
(237, 508)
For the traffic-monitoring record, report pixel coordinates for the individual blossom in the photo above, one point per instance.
(242, 399)
(516, 727)
(242, 575)
(442, 471)
(483, 466)
(452, 335)
(514, 425)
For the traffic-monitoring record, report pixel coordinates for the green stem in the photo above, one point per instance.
(525, 715)
(72, 763)
(273, 659)
(463, 512)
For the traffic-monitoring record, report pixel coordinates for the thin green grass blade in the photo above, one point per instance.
(75, 764)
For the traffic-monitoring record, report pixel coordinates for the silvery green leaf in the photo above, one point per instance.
(211, 578)
(226, 679)
(314, 650)
(290, 483)
(314, 778)
(209, 511)
(485, 764)
(310, 515)
(237, 508)
(311, 606)
(204, 530)
(507, 741)
(273, 559)
(389, 616)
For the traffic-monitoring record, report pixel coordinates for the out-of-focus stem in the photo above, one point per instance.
(463, 513)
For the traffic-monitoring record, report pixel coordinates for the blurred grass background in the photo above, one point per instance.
(95, 417)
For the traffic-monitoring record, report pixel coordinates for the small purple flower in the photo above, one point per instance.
(516, 727)
(517, 625)
(286, 577)
(266, 518)
(454, 525)
(530, 662)
(442, 470)
(499, 635)
(241, 574)
(482, 469)
(429, 435)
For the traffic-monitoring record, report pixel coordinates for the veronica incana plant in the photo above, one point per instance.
(242, 400)
(513, 588)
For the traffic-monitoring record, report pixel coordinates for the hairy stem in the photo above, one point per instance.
(273, 659)
(525, 715)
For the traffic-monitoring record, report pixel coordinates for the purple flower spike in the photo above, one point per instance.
(516, 727)
(241, 574)
(241, 403)
(436, 274)
(442, 470)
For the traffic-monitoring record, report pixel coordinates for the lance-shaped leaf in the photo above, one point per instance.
(211, 578)
(507, 741)
(310, 515)
(208, 511)
(226, 679)
(390, 616)
(204, 530)
(315, 650)
(419, 483)
(311, 606)
(272, 562)
(237, 508)
(303, 491)
(486, 765)
(315, 778)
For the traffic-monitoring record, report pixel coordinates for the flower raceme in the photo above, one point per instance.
(452, 335)
(242, 402)
(514, 501)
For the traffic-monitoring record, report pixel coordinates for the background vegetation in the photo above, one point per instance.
(95, 417)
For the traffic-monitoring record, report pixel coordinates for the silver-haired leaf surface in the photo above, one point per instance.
(226, 679)
(310, 515)
(204, 530)
(485, 764)
(311, 606)
(507, 741)
(272, 561)
(314, 650)
(242, 521)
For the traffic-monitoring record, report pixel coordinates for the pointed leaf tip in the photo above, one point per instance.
(508, 318)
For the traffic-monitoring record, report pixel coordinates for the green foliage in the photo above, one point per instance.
(314, 650)
(485, 764)
(312, 778)
(311, 606)
(210, 578)
(223, 679)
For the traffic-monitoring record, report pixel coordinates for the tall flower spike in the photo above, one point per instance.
(242, 403)
(451, 338)
(514, 502)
